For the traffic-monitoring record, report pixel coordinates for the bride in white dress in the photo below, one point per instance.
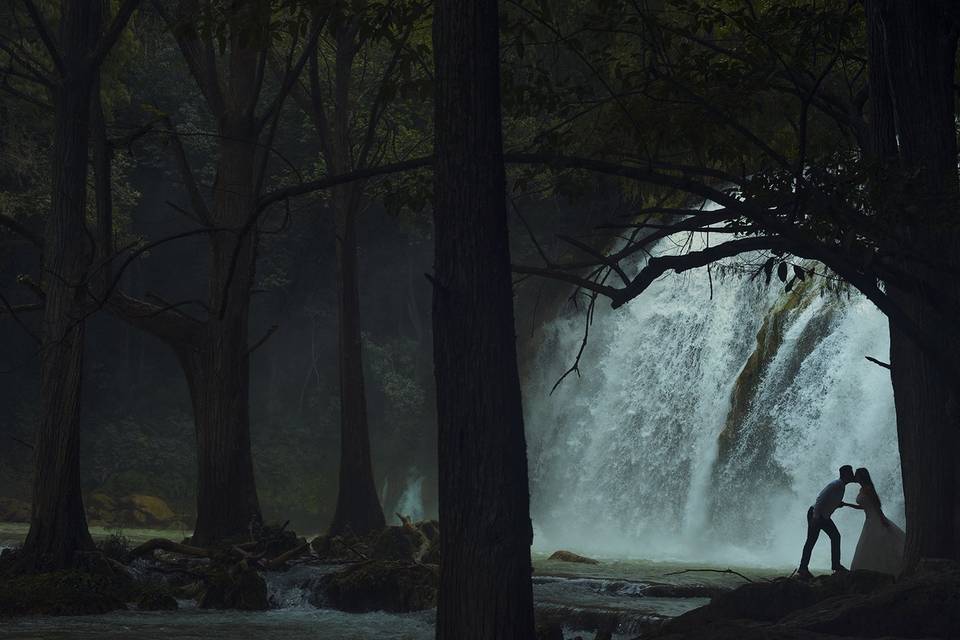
(880, 547)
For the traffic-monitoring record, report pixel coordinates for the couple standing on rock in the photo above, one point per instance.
(880, 547)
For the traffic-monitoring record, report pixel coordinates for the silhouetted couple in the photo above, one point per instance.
(880, 547)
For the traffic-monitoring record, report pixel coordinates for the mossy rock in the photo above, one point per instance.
(135, 510)
(569, 556)
(405, 544)
(63, 593)
(236, 587)
(395, 587)
(156, 600)
(153, 508)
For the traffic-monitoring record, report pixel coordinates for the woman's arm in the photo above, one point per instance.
(848, 504)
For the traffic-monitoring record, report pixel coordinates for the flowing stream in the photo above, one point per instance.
(701, 428)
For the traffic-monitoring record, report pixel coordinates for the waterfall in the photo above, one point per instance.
(701, 429)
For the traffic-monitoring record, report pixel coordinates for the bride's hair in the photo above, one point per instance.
(863, 477)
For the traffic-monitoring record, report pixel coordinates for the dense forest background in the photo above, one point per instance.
(137, 424)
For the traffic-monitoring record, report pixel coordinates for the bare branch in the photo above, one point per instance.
(659, 265)
(189, 179)
(198, 54)
(292, 74)
(20, 230)
(885, 365)
(15, 312)
(41, 26)
(256, 345)
(112, 34)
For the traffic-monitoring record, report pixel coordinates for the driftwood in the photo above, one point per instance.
(166, 545)
(244, 556)
(281, 559)
(730, 571)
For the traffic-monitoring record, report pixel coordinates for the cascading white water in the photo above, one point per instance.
(627, 459)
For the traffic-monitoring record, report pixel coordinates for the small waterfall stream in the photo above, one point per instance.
(701, 429)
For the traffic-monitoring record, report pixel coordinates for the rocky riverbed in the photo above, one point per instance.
(375, 589)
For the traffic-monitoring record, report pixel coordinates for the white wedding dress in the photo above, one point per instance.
(880, 547)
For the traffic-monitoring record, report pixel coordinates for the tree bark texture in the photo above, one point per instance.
(485, 588)
(58, 525)
(358, 506)
(217, 369)
(912, 52)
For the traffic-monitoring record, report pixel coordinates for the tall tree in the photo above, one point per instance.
(912, 48)
(58, 526)
(485, 589)
(225, 49)
(351, 89)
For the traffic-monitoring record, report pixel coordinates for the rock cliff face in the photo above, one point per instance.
(746, 447)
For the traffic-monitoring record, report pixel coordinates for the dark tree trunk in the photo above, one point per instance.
(214, 353)
(58, 525)
(218, 370)
(912, 48)
(485, 589)
(358, 506)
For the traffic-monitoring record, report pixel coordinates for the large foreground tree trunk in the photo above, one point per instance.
(485, 589)
(58, 525)
(912, 48)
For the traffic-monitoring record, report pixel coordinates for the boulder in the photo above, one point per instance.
(63, 593)
(859, 604)
(156, 600)
(925, 605)
(136, 510)
(381, 585)
(569, 556)
(150, 508)
(14, 510)
(403, 544)
(234, 587)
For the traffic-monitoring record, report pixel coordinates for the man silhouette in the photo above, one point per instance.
(818, 519)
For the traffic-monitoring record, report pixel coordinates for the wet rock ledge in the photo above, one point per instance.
(861, 604)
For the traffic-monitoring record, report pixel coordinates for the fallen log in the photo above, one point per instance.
(282, 559)
(166, 545)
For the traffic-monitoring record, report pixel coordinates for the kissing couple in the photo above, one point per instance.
(880, 547)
